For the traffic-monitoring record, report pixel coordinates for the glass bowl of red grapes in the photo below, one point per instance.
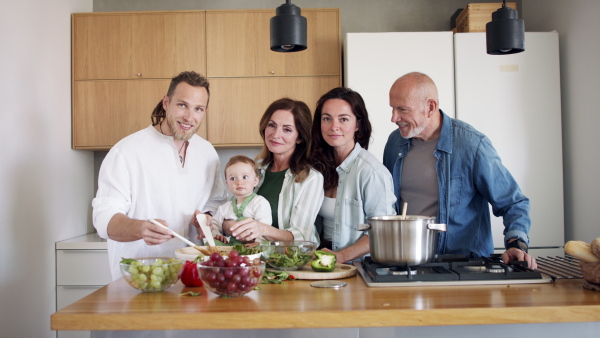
(232, 275)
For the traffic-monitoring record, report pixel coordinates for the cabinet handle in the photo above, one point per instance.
(272, 72)
(138, 74)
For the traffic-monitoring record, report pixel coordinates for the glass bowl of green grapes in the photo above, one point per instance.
(151, 274)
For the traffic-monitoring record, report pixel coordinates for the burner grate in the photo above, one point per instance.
(559, 267)
(450, 268)
(436, 271)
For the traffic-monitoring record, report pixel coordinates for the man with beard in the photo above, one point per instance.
(445, 168)
(164, 172)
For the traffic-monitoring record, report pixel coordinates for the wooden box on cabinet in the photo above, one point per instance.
(475, 16)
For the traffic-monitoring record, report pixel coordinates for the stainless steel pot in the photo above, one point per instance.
(397, 241)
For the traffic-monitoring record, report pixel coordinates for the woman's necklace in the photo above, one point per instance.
(180, 149)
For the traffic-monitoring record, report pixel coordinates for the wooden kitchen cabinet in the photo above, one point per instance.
(137, 44)
(123, 64)
(238, 45)
(122, 67)
(105, 111)
(237, 104)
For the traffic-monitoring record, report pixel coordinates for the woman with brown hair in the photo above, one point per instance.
(356, 184)
(287, 181)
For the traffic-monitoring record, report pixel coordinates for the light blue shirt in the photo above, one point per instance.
(470, 175)
(365, 189)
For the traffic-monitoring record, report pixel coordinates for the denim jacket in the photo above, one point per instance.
(470, 175)
(365, 189)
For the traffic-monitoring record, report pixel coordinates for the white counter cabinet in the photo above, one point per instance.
(81, 268)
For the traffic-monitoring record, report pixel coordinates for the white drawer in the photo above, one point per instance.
(67, 295)
(82, 267)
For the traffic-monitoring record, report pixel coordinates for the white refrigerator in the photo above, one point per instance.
(514, 99)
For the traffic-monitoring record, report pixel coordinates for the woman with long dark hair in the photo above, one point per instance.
(356, 184)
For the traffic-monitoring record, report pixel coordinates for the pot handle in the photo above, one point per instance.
(438, 227)
(363, 227)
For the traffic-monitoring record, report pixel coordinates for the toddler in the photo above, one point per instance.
(241, 176)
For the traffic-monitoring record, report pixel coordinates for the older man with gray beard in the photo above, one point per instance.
(445, 168)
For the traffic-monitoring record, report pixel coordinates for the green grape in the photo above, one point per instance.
(155, 276)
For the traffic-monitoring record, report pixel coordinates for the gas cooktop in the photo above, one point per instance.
(449, 270)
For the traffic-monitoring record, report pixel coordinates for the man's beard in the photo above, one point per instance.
(179, 134)
(414, 132)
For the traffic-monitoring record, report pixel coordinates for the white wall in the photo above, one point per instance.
(46, 187)
(578, 26)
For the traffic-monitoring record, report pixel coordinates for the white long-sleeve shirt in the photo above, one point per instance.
(142, 177)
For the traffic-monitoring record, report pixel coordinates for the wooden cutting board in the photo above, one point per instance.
(341, 271)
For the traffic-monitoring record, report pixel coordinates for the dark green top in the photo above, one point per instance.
(270, 189)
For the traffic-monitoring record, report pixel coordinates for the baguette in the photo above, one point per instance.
(596, 247)
(581, 250)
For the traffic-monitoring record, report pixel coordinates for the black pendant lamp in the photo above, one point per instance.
(288, 29)
(505, 34)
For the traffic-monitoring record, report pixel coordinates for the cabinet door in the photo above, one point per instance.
(238, 44)
(106, 111)
(82, 267)
(165, 44)
(231, 43)
(137, 45)
(101, 46)
(322, 57)
(237, 104)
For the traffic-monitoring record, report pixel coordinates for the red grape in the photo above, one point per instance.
(215, 257)
(233, 254)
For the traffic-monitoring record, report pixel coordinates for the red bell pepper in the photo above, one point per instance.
(189, 274)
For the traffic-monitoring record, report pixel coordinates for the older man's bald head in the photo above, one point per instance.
(417, 86)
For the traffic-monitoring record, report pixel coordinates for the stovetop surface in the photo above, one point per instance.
(449, 270)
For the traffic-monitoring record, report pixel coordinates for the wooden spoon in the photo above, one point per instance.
(207, 233)
(185, 240)
(404, 210)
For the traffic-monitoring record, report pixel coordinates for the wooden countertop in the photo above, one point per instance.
(296, 304)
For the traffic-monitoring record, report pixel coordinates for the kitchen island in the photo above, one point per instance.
(296, 304)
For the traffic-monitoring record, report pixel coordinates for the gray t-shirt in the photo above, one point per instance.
(419, 179)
